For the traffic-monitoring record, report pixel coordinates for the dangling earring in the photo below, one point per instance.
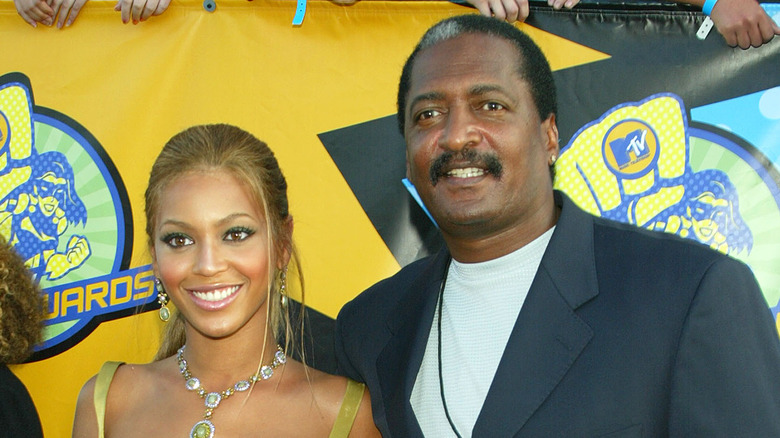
(283, 286)
(162, 298)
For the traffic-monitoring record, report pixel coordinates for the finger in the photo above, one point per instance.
(148, 10)
(570, 3)
(731, 40)
(743, 40)
(28, 18)
(137, 9)
(43, 8)
(48, 19)
(497, 8)
(63, 13)
(125, 8)
(162, 6)
(755, 36)
(524, 10)
(512, 10)
(55, 8)
(483, 7)
(35, 13)
(74, 12)
(767, 29)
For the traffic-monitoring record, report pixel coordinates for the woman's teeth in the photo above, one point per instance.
(216, 295)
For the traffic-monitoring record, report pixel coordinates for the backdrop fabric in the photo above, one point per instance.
(658, 128)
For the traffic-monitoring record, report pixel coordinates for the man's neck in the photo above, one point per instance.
(474, 247)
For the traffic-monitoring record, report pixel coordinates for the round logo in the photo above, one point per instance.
(630, 148)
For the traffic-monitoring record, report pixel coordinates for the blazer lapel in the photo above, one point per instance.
(398, 363)
(548, 336)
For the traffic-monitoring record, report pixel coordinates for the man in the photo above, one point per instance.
(538, 319)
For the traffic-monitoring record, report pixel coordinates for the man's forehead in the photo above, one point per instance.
(467, 55)
(472, 42)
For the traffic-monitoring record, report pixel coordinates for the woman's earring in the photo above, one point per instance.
(283, 286)
(553, 159)
(162, 298)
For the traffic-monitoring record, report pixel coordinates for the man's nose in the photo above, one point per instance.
(460, 130)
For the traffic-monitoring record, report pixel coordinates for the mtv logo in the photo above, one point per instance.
(630, 148)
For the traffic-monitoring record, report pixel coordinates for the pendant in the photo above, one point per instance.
(212, 400)
(202, 429)
(165, 314)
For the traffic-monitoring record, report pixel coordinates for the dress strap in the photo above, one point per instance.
(104, 378)
(349, 408)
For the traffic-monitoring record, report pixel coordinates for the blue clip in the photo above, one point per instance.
(209, 5)
(300, 11)
(413, 191)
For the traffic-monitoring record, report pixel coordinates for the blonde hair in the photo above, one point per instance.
(251, 161)
(21, 308)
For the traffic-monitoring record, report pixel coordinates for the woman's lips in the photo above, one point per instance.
(216, 298)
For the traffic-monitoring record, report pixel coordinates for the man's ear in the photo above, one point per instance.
(551, 134)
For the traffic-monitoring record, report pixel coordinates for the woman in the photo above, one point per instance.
(220, 237)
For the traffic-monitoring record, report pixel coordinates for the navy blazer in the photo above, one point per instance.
(624, 332)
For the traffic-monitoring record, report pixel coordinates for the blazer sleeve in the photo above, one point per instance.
(345, 366)
(726, 379)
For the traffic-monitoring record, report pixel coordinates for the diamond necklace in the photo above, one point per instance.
(205, 428)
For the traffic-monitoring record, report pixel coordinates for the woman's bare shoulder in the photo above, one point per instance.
(130, 384)
(85, 422)
(330, 391)
(364, 420)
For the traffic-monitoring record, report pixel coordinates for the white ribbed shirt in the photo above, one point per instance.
(480, 307)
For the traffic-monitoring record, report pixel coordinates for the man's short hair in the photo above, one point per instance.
(533, 66)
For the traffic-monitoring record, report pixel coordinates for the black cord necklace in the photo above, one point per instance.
(438, 332)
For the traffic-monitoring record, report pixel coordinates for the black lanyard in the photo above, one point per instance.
(438, 332)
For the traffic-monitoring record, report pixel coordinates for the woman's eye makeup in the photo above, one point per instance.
(176, 239)
(237, 234)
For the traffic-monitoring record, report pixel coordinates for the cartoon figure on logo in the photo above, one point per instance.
(39, 212)
(38, 199)
(641, 175)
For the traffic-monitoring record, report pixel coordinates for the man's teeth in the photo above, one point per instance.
(216, 295)
(468, 172)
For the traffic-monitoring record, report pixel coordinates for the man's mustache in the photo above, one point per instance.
(465, 158)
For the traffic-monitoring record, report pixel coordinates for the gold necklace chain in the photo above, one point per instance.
(205, 428)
